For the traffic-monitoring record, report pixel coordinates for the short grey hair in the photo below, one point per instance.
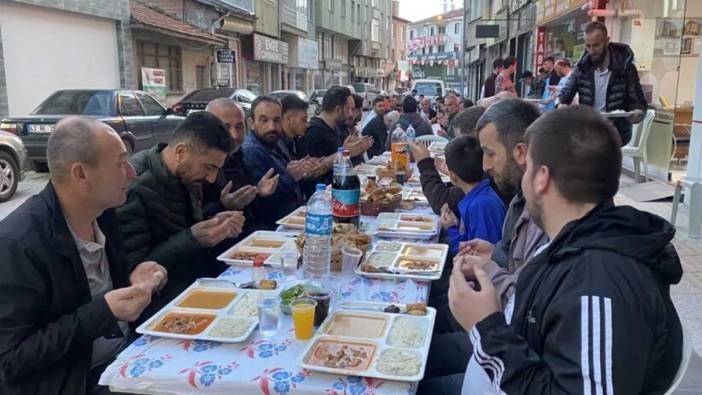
(224, 103)
(72, 141)
(391, 118)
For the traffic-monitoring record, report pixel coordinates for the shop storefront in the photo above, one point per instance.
(561, 24)
(263, 74)
(437, 65)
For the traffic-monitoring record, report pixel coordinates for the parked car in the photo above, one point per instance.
(367, 91)
(139, 119)
(317, 95)
(401, 89)
(429, 88)
(12, 157)
(280, 94)
(197, 100)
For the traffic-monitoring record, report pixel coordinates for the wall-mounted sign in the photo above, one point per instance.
(225, 55)
(540, 46)
(153, 82)
(267, 49)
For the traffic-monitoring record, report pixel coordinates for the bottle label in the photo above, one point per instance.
(318, 225)
(345, 202)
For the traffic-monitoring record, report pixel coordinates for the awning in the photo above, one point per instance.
(145, 17)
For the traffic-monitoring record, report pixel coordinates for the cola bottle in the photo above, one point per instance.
(346, 193)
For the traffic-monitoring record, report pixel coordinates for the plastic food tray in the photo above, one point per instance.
(229, 311)
(267, 243)
(435, 253)
(399, 225)
(375, 342)
(415, 195)
(294, 220)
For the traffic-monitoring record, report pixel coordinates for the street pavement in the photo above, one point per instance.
(687, 295)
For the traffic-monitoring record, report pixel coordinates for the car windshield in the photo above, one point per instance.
(77, 103)
(427, 88)
(208, 94)
(359, 87)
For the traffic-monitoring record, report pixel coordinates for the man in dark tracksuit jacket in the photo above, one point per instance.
(619, 80)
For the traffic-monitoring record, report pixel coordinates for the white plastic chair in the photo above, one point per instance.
(684, 362)
(637, 148)
(430, 138)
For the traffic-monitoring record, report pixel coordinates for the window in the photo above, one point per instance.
(441, 49)
(431, 31)
(402, 54)
(392, 32)
(199, 77)
(393, 54)
(166, 57)
(367, 16)
(310, 10)
(431, 49)
(358, 13)
(375, 30)
(404, 33)
(343, 8)
(442, 30)
(150, 104)
(353, 11)
(456, 28)
(129, 106)
(331, 6)
(456, 47)
(411, 34)
(375, 3)
(475, 9)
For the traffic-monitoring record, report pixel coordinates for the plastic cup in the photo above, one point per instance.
(323, 299)
(290, 264)
(268, 316)
(303, 317)
(350, 257)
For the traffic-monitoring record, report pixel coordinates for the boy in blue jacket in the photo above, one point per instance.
(482, 211)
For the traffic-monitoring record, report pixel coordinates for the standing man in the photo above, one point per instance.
(376, 128)
(162, 219)
(563, 71)
(552, 77)
(233, 189)
(66, 291)
(262, 152)
(503, 82)
(489, 87)
(607, 80)
(592, 310)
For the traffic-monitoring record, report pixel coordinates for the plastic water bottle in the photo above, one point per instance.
(410, 133)
(338, 160)
(316, 255)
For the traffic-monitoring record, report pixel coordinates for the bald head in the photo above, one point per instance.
(75, 140)
(232, 116)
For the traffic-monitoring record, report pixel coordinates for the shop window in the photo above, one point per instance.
(199, 77)
(166, 57)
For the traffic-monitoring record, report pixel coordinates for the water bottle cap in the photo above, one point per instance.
(320, 187)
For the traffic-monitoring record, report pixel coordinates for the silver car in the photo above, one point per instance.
(12, 157)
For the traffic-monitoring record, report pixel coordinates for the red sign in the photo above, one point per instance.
(540, 46)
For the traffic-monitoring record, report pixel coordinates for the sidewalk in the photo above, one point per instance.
(687, 295)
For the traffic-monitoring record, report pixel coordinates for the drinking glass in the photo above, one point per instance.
(350, 257)
(303, 317)
(268, 316)
(290, 264)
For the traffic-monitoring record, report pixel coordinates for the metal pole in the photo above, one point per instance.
(463, 48)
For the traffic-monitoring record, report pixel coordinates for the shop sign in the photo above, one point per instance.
(154, 83)
(225, 55)
(334, 64)
(267, 49)
(549, 9)
(539, 10)
(307, 54)
(540, 46)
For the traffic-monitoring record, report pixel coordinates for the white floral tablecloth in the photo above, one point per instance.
(268, 366)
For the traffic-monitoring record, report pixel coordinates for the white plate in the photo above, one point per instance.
(392, 225)
(226, 312)
(381, 343)
(249, 245)
(288, 222)
(415, 195)
(405, 252)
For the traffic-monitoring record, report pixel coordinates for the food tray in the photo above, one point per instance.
(294, 220)
(437, 147)
(372, 331)
(615, 114)
(415, 195)
(216, 313)
(414, 180)
(379, 159)
(265, 243)
(396, 253)
(407, 226)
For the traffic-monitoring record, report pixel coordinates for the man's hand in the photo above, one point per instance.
(636, 116)
(224, 225)
(303, 168)
(151, 274)
(419, 151)
(468, 264)
(477, 247)
(448, 218)
(357, 145)
(268, 184)
(127, 303)
(467, 305)
(441, 166)
(238, 199)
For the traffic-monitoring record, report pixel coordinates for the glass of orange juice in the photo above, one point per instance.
(303, 317)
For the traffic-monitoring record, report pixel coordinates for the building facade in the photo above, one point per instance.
(83, 44)
(434, 47)
(398, 69)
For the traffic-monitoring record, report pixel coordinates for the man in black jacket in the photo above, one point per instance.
(592, 311)
(489, 87)
(162, 219)
(65, 293)
(233, 188)
(606, 79)
(376, 128)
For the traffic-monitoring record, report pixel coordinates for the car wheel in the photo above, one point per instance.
(9, 176)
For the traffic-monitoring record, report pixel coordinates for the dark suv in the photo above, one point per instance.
(197, 100)
(139, 119)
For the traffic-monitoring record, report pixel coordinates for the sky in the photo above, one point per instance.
(414, 10)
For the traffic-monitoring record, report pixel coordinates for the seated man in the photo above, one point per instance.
(376, 128)
(233, 189)
(162, 219)
(481, 210)
(294, 126)
(66, 291)
(262, 152)
(592, 310)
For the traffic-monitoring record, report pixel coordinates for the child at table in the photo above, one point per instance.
(482, 211)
